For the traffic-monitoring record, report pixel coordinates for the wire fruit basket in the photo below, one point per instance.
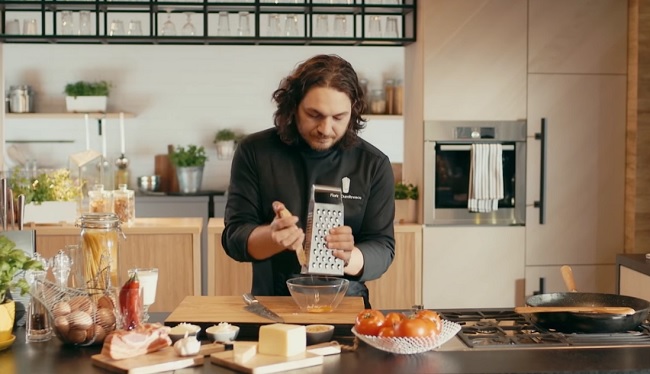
(79, 316)
(400, 345)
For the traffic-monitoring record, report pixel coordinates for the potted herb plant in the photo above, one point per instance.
(189, 163)
(51, 196)
(84, 96)
(406, 196)
(14, 263)
(226, 141)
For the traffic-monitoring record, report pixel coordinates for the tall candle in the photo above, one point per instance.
(87, 131)
(103, 138)
(122, 140)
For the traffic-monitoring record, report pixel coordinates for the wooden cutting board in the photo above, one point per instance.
(203, 310)
(263, 364)
(163, 360)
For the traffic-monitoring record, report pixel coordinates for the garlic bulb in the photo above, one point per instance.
(188, 346)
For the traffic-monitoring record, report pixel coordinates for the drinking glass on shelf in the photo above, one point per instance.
(391, 28)
(135, 28)
(30, 26)
(340, 25)
(67, 26)
(274, 28)
(223, 24)
(322, 25)
(374, 27)
(244, 28)
(84, 23)
(291, 25)
(169, 29)
(148, 278)
(12, 27)
(117, 28)
(188, 28)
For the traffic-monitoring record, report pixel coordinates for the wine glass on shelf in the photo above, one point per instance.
(188, 28)
(148, 278)
(168, 29)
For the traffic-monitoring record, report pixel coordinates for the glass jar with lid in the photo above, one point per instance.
(124, 204)
(377, 102)
(99, 244)
(100, 200)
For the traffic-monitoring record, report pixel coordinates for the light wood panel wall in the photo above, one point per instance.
(637, 207)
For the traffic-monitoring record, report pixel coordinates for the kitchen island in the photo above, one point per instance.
(53, 357)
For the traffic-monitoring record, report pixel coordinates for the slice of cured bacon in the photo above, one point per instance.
(145, 338)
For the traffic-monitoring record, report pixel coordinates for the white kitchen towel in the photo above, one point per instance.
(485, 178)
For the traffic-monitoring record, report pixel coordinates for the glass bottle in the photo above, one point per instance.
(124, 204)
(100, 200)
(38, 327)
(99, 249)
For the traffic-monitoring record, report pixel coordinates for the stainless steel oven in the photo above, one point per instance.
(447, 164)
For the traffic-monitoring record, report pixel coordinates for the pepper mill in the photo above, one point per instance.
(38, 324)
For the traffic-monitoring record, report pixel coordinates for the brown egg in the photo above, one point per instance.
(79, 320)
(61, 308)
(95, 333)
(62, 325)
(81, 303)
(105, 302)
(76, 336)
(105, 317)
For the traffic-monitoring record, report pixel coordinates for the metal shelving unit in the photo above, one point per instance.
(153, 13)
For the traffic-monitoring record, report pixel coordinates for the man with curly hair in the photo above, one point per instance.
(314, 141)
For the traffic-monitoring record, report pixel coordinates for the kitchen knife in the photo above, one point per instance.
(254, 306)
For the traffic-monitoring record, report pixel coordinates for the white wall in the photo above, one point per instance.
(180, 94)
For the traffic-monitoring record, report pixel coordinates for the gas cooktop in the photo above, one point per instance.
(505, 329)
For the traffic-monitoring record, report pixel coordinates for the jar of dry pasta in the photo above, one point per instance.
(100, 234)
(124, 204)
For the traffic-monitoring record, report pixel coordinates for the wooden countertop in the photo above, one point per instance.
(171, 225)
(216, 225)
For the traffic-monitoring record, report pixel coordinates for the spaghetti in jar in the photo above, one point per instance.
(100, 234)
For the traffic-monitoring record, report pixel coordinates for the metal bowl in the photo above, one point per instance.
(149, 183)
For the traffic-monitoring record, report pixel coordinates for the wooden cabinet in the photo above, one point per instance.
(577, 83)
(226, 277)
(474, 59)
(399, 287)
(633, 275)
(173, 245)
(473, 266)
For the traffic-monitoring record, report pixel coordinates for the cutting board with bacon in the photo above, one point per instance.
(202, 310)
(163, 360)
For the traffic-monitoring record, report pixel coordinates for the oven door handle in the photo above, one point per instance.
(541, 203)
(468, 147)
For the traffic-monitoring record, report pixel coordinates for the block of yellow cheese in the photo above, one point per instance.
(280, 339)
(244, 351)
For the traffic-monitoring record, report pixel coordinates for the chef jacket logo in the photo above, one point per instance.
(345, 182)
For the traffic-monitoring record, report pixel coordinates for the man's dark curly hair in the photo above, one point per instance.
(319, 71)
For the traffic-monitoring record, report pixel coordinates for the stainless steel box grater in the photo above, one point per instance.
(325, 212)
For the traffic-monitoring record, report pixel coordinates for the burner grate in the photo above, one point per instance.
(496, 329)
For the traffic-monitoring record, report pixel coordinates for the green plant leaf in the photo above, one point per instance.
(191, 156)
(83, 88)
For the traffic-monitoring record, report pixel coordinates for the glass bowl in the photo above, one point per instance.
(317, 294)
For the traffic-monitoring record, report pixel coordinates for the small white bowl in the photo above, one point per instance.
(319, 333)
(178, 332)
(222, 333)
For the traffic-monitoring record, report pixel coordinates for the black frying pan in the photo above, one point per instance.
(570, 322)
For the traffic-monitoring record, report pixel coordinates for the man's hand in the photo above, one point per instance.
(284, 228)
(341, 240)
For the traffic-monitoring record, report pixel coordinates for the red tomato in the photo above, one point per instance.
(416, 327)
(431, 316)
(393, 319)
(387, 332)
(369, 322)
